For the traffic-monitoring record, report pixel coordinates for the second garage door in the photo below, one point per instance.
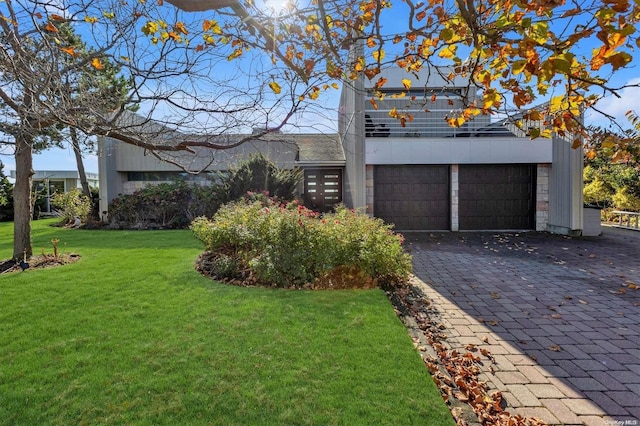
(496, 196)
(412, 197)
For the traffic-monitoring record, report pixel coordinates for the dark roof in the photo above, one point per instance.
(318, 148)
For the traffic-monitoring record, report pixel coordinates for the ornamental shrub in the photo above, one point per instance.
(72, 204)
(258, 174)
(164, 205)
(288, 245)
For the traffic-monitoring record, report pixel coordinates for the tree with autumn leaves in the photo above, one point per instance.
(551, 59)
(84, 65)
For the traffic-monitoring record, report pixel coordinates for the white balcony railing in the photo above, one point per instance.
(434, 125)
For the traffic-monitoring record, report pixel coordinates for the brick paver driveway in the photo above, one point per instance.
(561, 317)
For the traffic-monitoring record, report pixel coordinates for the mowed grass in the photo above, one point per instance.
(132, 334)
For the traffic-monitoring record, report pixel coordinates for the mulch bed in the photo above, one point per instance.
(38, 262)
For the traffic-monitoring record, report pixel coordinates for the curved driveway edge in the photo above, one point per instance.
(559, 315)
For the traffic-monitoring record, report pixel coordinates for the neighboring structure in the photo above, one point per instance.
(485, 175)
(48, 182)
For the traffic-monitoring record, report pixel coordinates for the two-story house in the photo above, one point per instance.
(425, 175)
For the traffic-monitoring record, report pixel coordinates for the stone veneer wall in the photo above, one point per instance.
(542, 197)
(454, 183)
(369, 189)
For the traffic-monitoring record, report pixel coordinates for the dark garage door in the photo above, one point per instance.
(412, 197)
(496, 196)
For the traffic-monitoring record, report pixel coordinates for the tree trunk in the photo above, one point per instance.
(81, 173)
(22, 206)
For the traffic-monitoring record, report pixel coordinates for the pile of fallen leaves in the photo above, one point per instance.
(38, 262)
(456, 373)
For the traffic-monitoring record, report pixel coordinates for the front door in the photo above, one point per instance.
(322, 189)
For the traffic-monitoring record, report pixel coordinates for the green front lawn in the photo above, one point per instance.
(133, 334)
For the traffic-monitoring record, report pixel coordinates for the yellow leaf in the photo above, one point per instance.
(518, 66)
(236, 53)
(491, 99)
(208, 38)
(456, 121)
(108, 15)
(95, 62)
(275, 87)
(609, 142)
(91, 19)
(406, 83)
(150, 28)
(335, 86)
(556, 104)
(378, 55)
(448, 52)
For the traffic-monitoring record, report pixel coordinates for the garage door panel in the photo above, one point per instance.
(412, 197)
(496, 196)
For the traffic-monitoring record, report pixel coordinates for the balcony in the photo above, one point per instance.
(432, 124)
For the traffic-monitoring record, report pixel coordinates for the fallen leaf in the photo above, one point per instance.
(556, 316)
(461, 397)
(492, 322)
(495, 295)
(555, 348)
(633, 286)
(584, 302)
(485, 339)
